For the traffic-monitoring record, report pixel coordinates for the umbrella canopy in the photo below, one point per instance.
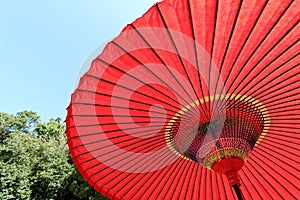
(190, 99)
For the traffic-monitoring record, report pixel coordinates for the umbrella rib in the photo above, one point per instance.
(133, 178)
(110, 106)
(251, 182)
(166, 150)
(172, 99)
(293, 175)
(212, 53)
(147, 182)
(196, 52)
(131, 139)
(253, 53)
(275, 100)
(290, 132)
(257, 97)
(267, 53)
(103, 147)
(280, 103)
(156, 54)
(160, 126)
(278, 152)
(132, 100)
(157, 142)
(128, 53)
(243, 183)
(261, 42)
(189, 179)
(97, 141)
(211, 185)
(178, 54)
(274, 103)
(244, 44)
(286, 115)
(130, 161)
(286, 123)
(262, 186)
(271, 175)
(160, 158)
(283, 109)
(116, 130)
(269, 74)
(121, 116)
(226, 50)
(189, 114)
(288, 119)
(275, 138)
(246, 188)
(280, 160)
(181, 162)
(113, 131)
(186, 167)
(263, 144)
(109, 124)
(223, 185)
(101, 105)
(200, 177)
(275, 130)
(107, 174)
(159, 175)
(205, 178)
(287, 127)
(271, 98)
(161, 60)
(120, 107)
(270, 140)
(143, 94)
(282, 87)
(217, 176)
(116, 123)
(271, 86)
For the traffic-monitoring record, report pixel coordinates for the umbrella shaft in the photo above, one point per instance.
(238, 192)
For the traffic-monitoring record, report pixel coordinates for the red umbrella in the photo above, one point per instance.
(190, 99)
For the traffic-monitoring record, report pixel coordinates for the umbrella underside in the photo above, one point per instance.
(190, 96)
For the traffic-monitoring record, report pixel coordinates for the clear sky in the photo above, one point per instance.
(43, 45)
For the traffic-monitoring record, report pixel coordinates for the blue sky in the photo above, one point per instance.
(43, 45)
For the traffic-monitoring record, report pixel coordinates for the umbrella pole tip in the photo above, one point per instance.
(234, 181)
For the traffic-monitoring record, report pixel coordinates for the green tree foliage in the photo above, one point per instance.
(35, 163)
(22, 122)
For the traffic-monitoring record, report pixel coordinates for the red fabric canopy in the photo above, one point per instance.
(194, 58)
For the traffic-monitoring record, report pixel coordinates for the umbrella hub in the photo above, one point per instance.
(223, 139)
